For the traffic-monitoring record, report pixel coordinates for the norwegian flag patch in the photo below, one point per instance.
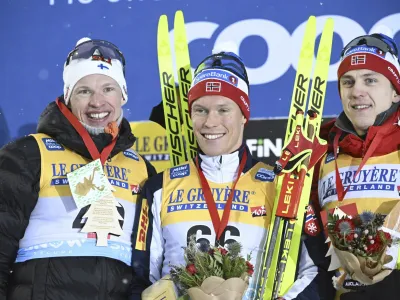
(213, 86)
(358, 59)
(311, 226)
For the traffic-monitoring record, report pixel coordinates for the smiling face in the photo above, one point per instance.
(365, 94)
(218, 124)
(96, 100)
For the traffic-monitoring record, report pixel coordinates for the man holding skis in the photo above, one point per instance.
(224, 172)
(364, 139)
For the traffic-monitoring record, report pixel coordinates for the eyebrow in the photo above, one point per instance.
(104, 85)
(364, 75)
(198, 106)
(109, 83)
(203, 107)
(370, 74)
(82, 87)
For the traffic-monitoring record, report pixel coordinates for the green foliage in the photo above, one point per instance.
(216, 261)
(360, 234)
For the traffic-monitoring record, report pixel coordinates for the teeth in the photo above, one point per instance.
(360, 106)
(99, 116)
(212, 136)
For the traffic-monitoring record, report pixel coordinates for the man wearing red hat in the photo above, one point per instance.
(363, 161)
(213, 196)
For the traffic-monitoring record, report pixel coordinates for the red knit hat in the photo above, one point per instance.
(222, 74)
(376, 52)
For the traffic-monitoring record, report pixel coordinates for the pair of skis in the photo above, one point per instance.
(301, 152)
(302, 147)
(174, 110)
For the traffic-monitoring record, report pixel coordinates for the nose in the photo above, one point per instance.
(358, 90)
(213, 120)
(96, 100)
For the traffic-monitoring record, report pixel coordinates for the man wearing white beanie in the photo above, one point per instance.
(42, 237)
(108, 70)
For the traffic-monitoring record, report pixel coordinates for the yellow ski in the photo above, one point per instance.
(276, 280)
(185, 80)
(168, 92)
(316, 104)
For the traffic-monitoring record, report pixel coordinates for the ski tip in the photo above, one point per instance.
(329, 22)
(179, 20)
(162, 23)
(163, 18)
(328, 28)
(311, 26)
(312, 18)
(178, 14)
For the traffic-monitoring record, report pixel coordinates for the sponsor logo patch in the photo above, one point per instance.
(265, 175)
(131, 154)
(258, 211)
(52, 145)
(179, 172)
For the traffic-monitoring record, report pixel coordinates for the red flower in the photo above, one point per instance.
(373, 248)
(223, 251)
(191, 269)
(388, 237)
(344, 225)
(250, 268)
(349, 237)
(211, 252)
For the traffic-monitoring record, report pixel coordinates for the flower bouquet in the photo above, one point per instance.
(214, 273)
(360, 245)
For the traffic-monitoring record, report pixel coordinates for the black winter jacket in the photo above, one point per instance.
(69, 278)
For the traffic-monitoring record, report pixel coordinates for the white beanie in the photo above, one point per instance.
(79, 68)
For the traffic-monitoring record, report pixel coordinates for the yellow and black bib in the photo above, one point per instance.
(55, 223)
(376, 188)
(184, 212)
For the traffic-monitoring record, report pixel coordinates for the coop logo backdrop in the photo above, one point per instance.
(268, 35)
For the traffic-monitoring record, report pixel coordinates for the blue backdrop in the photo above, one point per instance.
(37, 35)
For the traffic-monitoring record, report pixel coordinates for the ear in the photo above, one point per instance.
(396, 97)
(122, 99)
(243, 120)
